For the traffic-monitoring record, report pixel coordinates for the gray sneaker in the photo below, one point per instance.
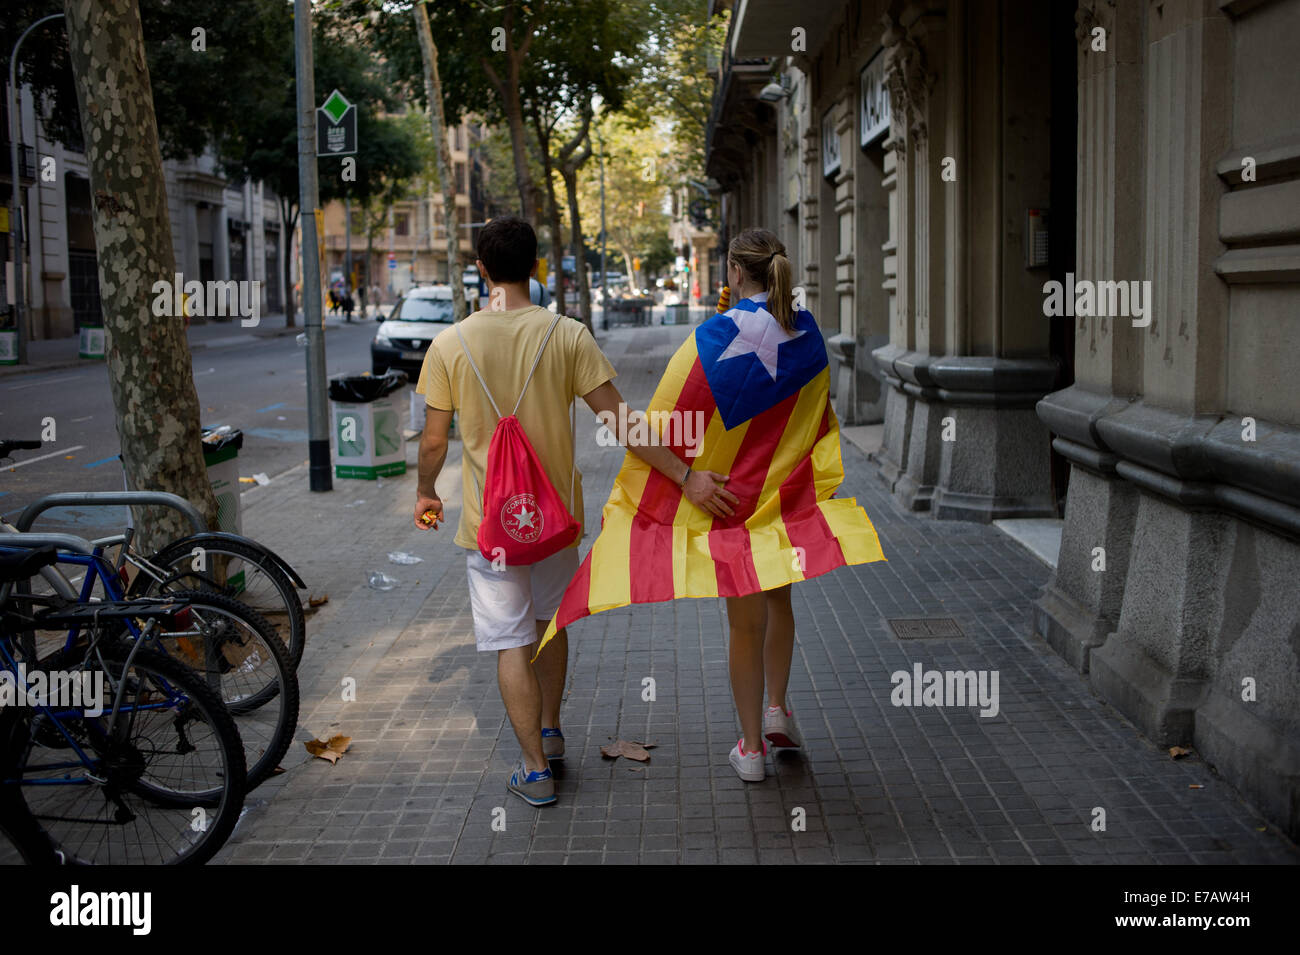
(536, 789)
(552, 743)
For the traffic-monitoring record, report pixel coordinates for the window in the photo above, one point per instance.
(423, 310)
(460, 177)
(401, 223)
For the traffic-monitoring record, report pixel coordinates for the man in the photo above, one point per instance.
(513, 605)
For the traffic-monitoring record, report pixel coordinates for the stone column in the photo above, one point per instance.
(812, 177)
(1081, 604)
(220, 242)
(841, 347)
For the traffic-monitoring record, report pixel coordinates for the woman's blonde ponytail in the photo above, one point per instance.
(761, 256)
(778, 291)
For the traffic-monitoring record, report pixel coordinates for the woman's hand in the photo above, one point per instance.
(704, 489)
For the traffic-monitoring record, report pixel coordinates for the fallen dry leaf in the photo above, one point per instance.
(1178, 752)
(626, 748)
(645, 745)
(331, 750)
(317, 601)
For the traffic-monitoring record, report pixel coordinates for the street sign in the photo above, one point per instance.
(336, 126)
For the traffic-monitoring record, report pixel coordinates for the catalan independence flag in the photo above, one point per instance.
(764, 395)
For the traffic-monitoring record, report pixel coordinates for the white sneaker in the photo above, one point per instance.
(748, 766)
(778, 727)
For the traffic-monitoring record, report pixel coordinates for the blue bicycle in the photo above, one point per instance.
(110, 752)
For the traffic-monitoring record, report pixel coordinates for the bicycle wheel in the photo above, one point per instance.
(235, 650)
(162, 782)
(238, 569)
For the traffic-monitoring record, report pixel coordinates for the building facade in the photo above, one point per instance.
(220, 231)
(1055, 250)
(405, 244)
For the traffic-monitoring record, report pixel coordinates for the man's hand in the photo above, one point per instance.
(704, 489)
(428, 512)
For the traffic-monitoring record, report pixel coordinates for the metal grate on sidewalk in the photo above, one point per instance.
(924, 628)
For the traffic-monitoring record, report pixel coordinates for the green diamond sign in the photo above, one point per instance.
(336, 106)
(336, 126)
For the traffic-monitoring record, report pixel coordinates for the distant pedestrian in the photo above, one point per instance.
(331, 301)
(348, 305)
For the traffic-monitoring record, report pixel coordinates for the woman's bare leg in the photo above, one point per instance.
(778, 647)
(747, 620)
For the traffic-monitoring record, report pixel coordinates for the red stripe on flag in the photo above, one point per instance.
(804, 523)
(575, 606)
(650, 543)
(729, 538)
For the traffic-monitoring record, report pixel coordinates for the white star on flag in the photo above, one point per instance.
(760, 335)
(524, 517)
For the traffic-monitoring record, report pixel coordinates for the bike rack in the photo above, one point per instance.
(110, 499)
(78, 545)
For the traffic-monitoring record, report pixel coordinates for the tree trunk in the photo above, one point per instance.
(507, 88)
(570, 174)
(287, 222)
(149, 372)
(370, 264)
(433, 92)
(515, 120)
(553, 212)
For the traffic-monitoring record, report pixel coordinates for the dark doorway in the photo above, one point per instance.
(271, 244)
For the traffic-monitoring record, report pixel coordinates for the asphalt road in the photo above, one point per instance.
(258, 386)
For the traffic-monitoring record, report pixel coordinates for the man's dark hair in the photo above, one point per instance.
(508, 248)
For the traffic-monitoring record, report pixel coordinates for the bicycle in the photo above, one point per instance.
(217, 561)
(232, 647)
(158, 777)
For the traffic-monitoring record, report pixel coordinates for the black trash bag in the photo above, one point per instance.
(362, 389)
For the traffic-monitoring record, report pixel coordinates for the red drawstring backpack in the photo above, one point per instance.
(524, 518)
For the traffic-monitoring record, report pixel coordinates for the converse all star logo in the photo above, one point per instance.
(522, 518)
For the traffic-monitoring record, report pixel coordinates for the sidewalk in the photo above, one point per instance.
(52, 354)
(431, 745)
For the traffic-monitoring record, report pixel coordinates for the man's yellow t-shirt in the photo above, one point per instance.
(503, 345)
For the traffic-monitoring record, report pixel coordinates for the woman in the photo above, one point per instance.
(761, 624)
(756, 380)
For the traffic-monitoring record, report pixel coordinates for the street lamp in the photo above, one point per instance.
(16, 223)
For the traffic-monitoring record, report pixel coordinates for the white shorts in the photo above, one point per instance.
(506, 602)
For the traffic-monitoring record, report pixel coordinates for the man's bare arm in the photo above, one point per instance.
(433, 453)
(702, 488)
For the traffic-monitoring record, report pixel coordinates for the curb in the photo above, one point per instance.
(12, 371)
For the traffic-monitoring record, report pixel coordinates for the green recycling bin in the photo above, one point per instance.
(220, 452)
(367, 425)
